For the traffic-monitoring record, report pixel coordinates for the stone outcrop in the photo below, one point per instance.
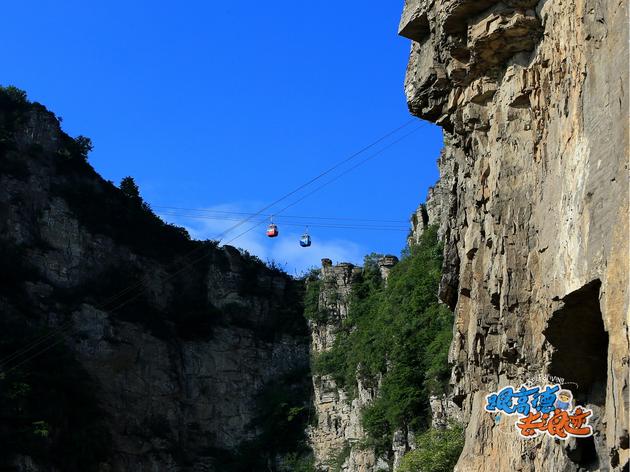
(533, 208)
(337, 436)
(338, 430)
(177, 363)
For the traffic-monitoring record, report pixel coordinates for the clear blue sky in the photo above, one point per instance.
(210, 105)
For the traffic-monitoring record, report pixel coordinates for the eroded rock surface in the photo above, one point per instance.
(533, 206)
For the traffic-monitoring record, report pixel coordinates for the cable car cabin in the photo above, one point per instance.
(272, 230)
(305, 240)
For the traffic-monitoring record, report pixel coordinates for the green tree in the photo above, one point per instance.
(438, 451)
(130, 189)
(84, 146)
(14, 94)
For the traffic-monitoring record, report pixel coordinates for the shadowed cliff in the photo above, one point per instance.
(155, 352)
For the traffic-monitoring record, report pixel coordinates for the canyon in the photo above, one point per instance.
(160, 353)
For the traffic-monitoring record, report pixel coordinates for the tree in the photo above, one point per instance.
(130, 189)
(14, 94)
(84, 145)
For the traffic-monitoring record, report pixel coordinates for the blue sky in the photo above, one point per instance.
(230, 106)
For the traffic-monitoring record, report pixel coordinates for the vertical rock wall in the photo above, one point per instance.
(178, 363)
(336, 436)
(533, 206)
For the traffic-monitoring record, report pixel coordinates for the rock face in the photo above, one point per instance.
(338, 426)
(533, 207)
(336, 437)
(179, 362)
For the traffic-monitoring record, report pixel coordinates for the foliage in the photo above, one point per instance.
(284, 410)
(13, 103)
(130, 189)
(41, 428)
(338, 458)
(438, 451)
(400, 332)
(312, 309)
(75, 150)
(14, 94)
(280, 444)
(84, 146)
(49, 406)
(295, 462)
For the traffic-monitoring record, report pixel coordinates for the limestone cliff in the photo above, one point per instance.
(338, 432)
(533, 206)
(159, 353)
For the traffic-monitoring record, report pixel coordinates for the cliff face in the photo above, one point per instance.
(336, 436)
(379, 345)
(533, 206)
(184, 351)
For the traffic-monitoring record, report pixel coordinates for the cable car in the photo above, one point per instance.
(305, 240)
(272, 230)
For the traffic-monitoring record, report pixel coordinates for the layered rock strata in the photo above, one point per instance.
(533, 207)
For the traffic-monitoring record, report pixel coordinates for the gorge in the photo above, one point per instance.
(126, 345)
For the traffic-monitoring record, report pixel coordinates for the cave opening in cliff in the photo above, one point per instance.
(580, 352)
(584, 454)
(580, 345)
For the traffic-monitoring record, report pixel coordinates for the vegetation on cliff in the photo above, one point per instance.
(280, 444)
(397, 333)
(49, 405)
(437, 451)
(49, 411)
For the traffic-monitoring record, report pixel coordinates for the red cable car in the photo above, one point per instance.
(272, 230)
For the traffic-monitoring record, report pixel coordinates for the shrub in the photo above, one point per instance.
(280, 442)
(13, 94)
(295, 462)
(46, 410)
(84, 146)
(438, 451)
(338, 458)
(130, 189)
(312, 311)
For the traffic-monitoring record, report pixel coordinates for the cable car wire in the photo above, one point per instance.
(225, 212)
(313, 225)
(140, 285)
(317, 189)
(328, 224)
(314, 179)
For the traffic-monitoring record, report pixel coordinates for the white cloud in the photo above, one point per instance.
(284, 250)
